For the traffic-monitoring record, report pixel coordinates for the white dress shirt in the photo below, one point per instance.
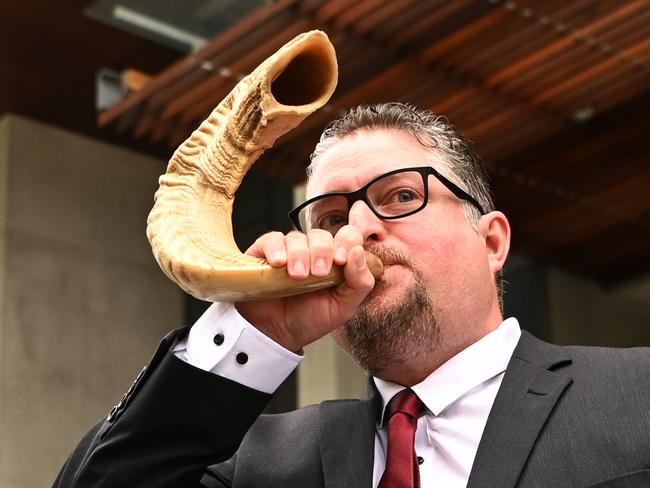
(458, 395)
(268, 364)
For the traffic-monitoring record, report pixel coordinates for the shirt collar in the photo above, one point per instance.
(478, 363)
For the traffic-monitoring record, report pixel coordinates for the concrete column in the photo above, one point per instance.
(83, 303)
(328, 373)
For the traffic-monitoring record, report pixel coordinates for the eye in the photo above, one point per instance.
(404, 196)
(331, 222)
(399, 200)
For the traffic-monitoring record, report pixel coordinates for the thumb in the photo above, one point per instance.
(357, 284)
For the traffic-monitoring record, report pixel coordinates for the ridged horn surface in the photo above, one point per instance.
(190, 225)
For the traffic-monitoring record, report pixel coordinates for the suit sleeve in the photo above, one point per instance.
(174, 422)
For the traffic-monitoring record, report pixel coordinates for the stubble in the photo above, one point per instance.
(384, 335)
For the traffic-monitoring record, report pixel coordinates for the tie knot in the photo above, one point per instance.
(407, 402)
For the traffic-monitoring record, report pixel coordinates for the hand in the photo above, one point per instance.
(296, 321)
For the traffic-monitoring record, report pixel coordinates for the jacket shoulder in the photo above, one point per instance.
(624, 364)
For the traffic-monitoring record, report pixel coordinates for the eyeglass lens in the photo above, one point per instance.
(391, 196)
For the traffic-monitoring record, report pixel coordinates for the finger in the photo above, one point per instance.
(298, 263)
(321, 251)
(358, 281)
(345, 239)
(270, 246)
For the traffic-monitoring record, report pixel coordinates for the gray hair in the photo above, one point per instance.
(434, 132)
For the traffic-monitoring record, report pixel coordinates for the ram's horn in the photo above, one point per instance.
(189, 227)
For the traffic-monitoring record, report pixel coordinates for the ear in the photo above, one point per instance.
(494, 228)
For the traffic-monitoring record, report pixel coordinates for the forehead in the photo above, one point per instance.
(357, 158)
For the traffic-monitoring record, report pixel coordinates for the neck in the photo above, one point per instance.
(415, 370)
(409, 374)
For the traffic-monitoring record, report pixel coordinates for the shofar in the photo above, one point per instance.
(190, 225)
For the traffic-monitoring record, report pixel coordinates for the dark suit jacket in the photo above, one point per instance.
(563, 417)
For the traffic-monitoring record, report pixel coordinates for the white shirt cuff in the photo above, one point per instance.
(225, 343)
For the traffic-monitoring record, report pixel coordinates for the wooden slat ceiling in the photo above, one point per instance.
(554, 94)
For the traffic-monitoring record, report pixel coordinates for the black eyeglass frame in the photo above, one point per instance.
(362, 194)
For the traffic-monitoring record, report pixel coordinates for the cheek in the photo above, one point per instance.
(438, 248)
(436, 260)
(451, 259)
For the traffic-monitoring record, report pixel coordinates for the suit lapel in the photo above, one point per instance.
(347, 441)
(532, 385)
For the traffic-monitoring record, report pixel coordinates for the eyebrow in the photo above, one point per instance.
(341, 187)
(338, 188)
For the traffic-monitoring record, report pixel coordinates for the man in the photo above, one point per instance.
(484, 404)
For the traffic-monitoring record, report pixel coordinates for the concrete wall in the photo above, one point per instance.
(583, 312)
(82, 301)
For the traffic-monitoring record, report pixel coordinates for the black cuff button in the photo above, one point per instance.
(219, 338)
(242, 358)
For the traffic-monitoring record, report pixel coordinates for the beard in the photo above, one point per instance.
(383, 334)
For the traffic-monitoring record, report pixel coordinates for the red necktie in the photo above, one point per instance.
(401, 465)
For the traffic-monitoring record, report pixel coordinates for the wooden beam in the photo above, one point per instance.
(134, 80)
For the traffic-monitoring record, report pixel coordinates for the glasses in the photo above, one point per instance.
(393, 195)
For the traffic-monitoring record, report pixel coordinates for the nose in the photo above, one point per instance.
(371, 226)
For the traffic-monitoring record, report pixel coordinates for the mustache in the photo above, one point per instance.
(389, 255)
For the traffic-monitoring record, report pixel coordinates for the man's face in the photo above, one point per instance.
(436, 273)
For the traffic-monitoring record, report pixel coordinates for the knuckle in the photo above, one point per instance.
(321, 243)
(320, 234)
(318, 251)
(264, 239)
(295, 235)
(350, 233)
(275, 235)
(294, 245)
(369, 280)
(274, 240)
(364, 282)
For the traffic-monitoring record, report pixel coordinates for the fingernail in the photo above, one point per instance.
(341, 254)
(299, 268)
(360, 261)
(320, 266)
(278, 256)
